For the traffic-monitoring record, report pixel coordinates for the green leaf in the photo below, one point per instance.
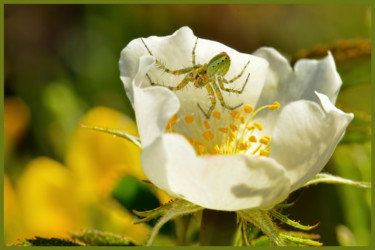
(290, 222)
(98, 238)
(327, 178)
(132, 138)
(301, 240)
(262, 241)
(40, 241)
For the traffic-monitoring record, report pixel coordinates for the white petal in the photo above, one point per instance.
(217, 182)
(283, 84)
(175, 52)
(153, 106)
(305, 136)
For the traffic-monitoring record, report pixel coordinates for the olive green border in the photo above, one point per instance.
(2, 2)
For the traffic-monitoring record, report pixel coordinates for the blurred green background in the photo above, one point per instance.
(61, 68)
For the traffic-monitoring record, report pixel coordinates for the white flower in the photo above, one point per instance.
(283, 131)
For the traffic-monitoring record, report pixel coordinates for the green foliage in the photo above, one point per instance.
(40, 241)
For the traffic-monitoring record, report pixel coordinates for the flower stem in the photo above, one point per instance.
(218, 228)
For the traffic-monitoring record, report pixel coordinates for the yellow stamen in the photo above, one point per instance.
(250, 127)
(242, 119)
(264, 152)
(243, 146)
(216, 149)
(173, 119)
(234, 113)
(189, 119)
(191, 141)
(200, 147)
(207, 125)
(216, 114)
(252, 139)
(265, 140)
(233, 127)
(274, 106)
(248, 108)
(208, 136)
(232, 136)
(258, 126)
(223, 130)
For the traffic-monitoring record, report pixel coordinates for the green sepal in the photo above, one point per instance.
(166, 213)
(301, 240)
(98, 238)
(41, 241)
(331, 179)
(132, 138)
(290, 222)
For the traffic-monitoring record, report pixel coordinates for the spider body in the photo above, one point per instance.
(209, 75)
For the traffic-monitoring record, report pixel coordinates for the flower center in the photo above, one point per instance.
(240, 136)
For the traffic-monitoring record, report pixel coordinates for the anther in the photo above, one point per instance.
(258, 126)
(191, 141)
(223, 130)
(208, 136)
(265, 140)
(216, 149)
(173, 119)
(250, 128)
(200, 147)
(189, 119)
(233, 127)
(243, 146)
(242, 119)
(207, 125)
(274, 106)
(216, 114)
(232, 136)
(264, 152)
(234, 113)
(252, 139)
(248, 108)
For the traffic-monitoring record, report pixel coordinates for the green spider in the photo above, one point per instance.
(209, 75)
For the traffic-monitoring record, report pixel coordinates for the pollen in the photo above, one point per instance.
(173, 119)
(216, 114)
(258, 126)
(234, 113)
(233, 127)
(274, 106)
(242, 119)
(216, 149)
(248, 108)
(208, 136)
(191, 141)
(200, 147)
(189, 119)
(252, 139)
(223, 130)
(207, 125)
(264, 152)
(265, 140)
(243, 146)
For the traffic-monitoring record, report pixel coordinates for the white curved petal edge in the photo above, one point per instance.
(287, 84)
(306, 136)
(226, 182)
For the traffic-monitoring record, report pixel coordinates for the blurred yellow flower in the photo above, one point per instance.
(16, 120)
(54, 199)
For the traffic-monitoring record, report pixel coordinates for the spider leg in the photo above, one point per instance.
(160, 65)
(221, 80)
(182, 84)
(238, 76)
(211, 93)
(193, 52)
(221, 99)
